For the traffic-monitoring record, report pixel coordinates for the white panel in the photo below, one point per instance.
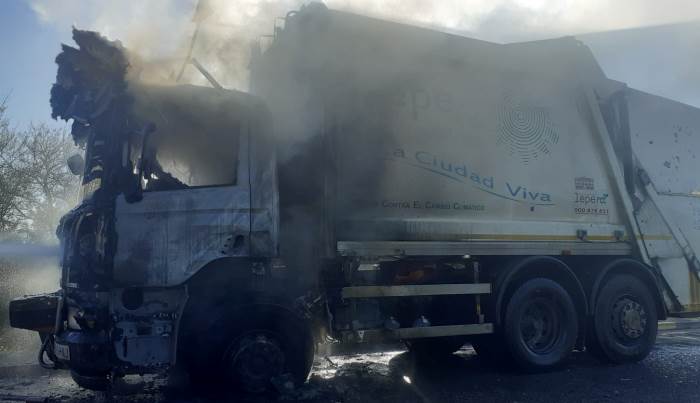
(683, 212)
(666, 139)
(657, 237)
(675, 271)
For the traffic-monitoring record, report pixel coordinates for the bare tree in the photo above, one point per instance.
(53, 187)
(36, 187)
(14, 175)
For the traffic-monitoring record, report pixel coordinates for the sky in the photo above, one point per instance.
(662, 57)
(26, 66)
(663, 60)
(29, 43)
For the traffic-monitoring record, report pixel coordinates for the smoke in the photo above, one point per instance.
(24, 270)
(673, 69)
(159, 30)
(13, 250)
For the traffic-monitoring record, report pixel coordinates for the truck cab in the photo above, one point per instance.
(184, 183)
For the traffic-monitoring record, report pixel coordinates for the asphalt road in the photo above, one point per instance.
(670, 374)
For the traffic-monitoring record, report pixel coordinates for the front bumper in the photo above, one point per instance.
(36, 312)
(86, 352)
(83, 351)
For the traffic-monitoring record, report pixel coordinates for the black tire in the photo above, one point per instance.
(434, 347)
(96, 382)
(592, 344)
(624, 321)
(278, 345)
(540, 325)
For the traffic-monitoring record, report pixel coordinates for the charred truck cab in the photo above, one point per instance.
(177, 181)
(382, 182)
(189, 185)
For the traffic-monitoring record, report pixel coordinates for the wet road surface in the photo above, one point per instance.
(670, 374)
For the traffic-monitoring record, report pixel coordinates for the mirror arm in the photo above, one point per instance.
(138, 191)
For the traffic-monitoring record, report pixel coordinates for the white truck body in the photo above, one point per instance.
(443, 143)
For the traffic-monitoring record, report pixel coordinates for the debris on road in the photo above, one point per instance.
(23, 398)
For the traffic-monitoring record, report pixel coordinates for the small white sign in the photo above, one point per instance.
(61, 351)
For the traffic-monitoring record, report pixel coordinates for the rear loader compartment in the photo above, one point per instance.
(665, 138)
(432, 144)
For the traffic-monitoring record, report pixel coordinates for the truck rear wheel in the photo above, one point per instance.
(541, 324)
(624, 321)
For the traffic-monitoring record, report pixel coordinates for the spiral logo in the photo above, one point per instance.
(525, 129)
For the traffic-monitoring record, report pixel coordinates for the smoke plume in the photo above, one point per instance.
(160, 30)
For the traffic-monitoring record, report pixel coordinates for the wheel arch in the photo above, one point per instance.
(230, 287)
(212, 339)
(539, 266)
(636, 269)
(220, 269)
(242, 279)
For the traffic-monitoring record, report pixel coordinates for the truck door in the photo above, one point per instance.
(196, 199)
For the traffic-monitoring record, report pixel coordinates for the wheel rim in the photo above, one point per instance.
(540, 325)
(629, 320)
(253, 360)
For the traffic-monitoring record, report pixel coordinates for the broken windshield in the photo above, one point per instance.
(185, 154)
(192, 144)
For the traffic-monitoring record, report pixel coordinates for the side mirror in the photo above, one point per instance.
(76, 164)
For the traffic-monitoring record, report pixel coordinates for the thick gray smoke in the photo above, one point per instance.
(14, 250)
(24, 269)
(663, 60)
(160, 30)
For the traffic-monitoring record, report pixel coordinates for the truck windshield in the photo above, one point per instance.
(175, 138)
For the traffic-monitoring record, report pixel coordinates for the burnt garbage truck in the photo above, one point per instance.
(379, 182)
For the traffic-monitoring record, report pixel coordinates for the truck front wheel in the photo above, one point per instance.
(97, 382)
(250, 353)
(624, 321)
(541, 324)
